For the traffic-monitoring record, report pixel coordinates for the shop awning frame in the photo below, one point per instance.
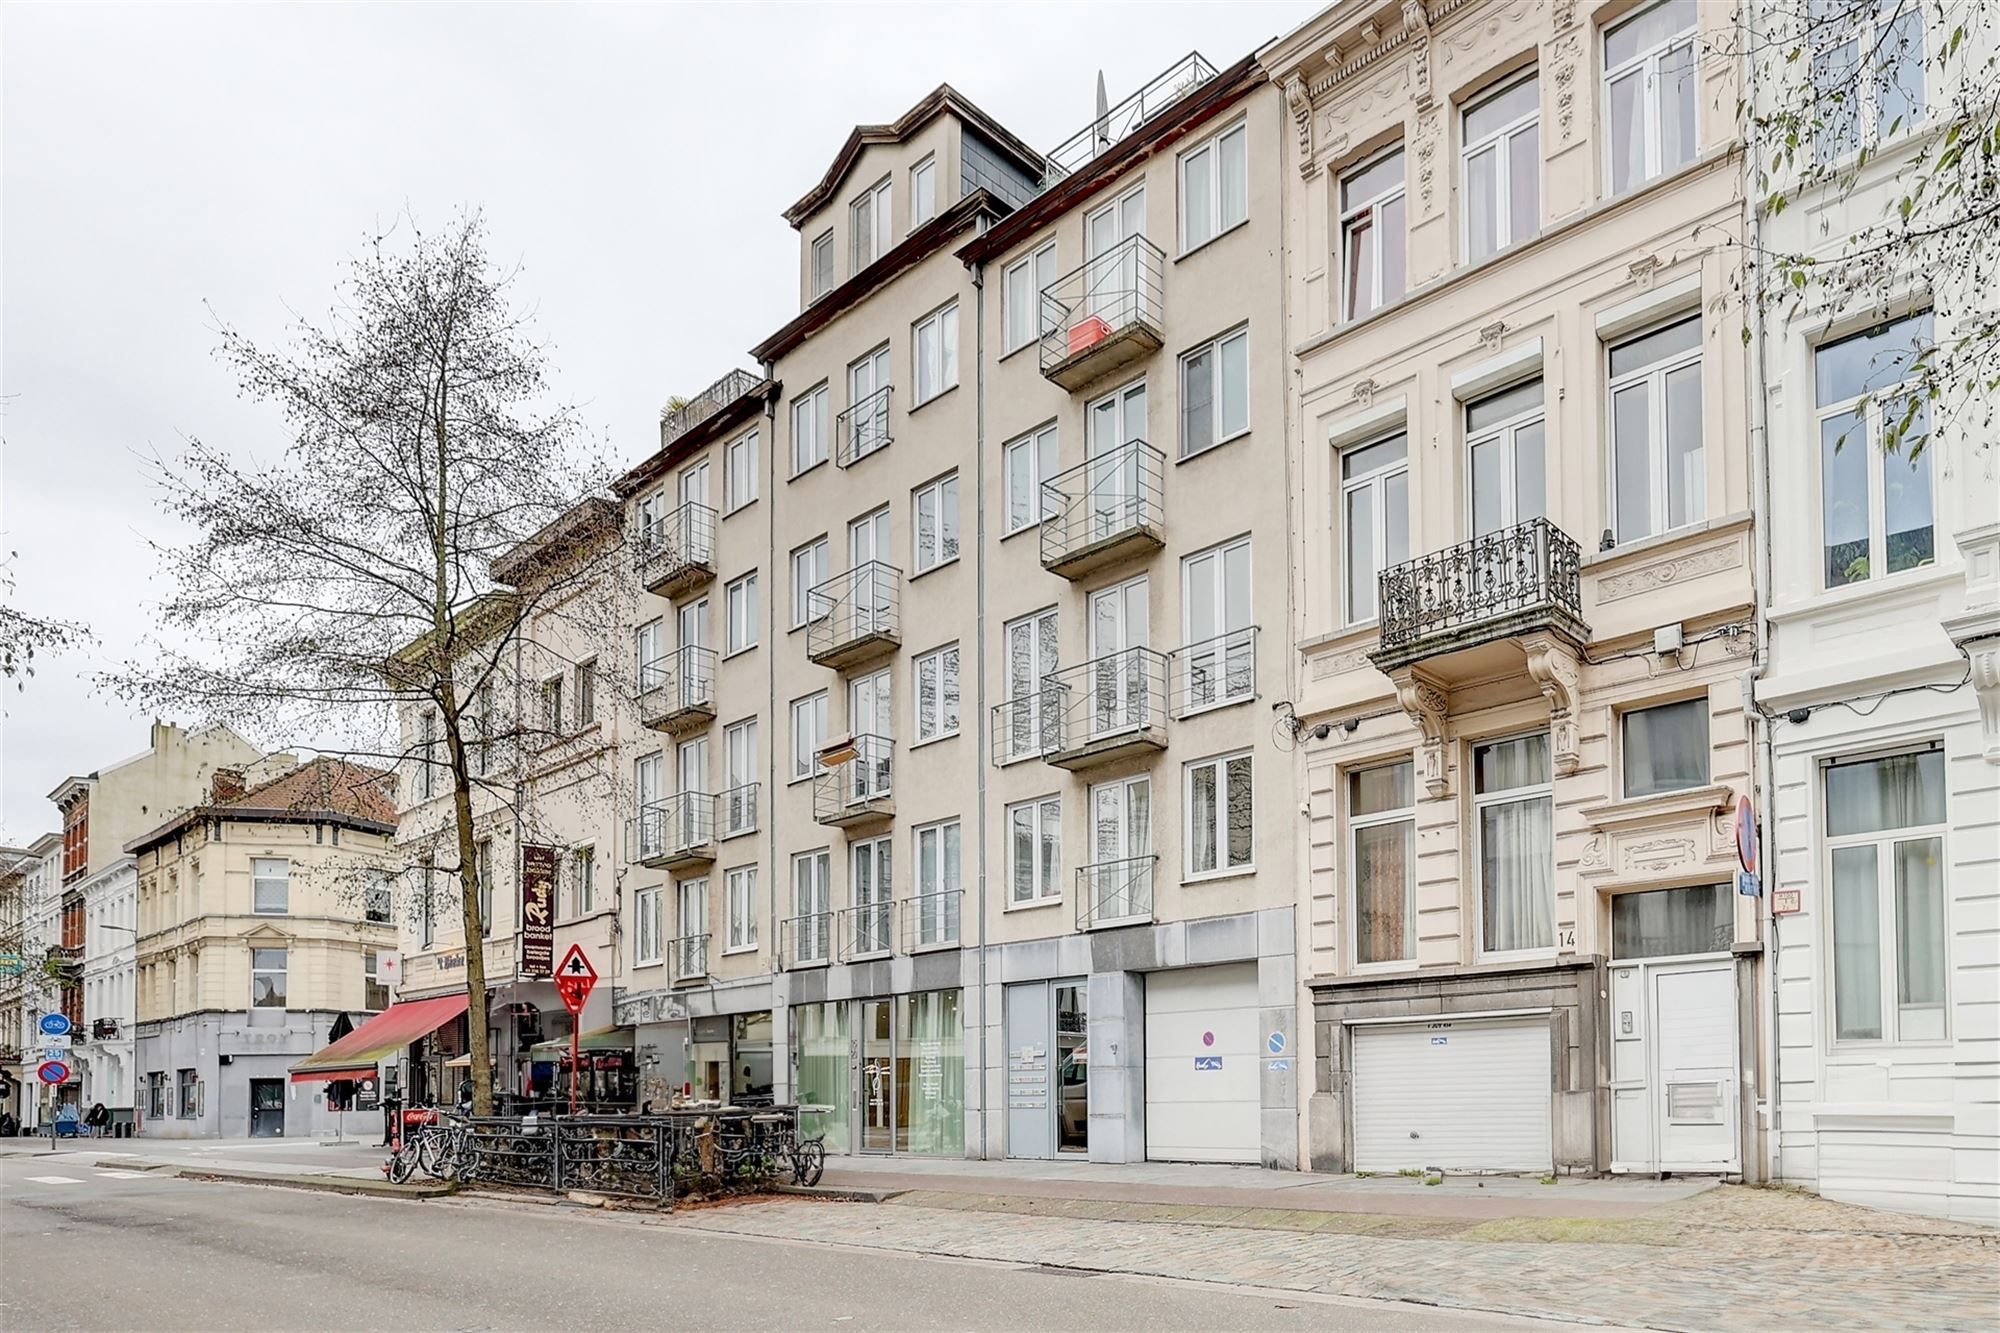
(358, 1054)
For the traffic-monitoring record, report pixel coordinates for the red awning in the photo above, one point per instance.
(358, 1053)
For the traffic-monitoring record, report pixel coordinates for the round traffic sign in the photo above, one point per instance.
(1746, 834)
(52, 1071)
(55, 1025)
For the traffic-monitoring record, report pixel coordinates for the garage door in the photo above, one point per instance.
(1465, 1096)
(1201, 1064)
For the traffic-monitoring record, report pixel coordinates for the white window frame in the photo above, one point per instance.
(1216, 349)
(1624, 715)
(583, 878)
(809, 569)
(1376, 480)
(944, 662)
(821, 279)
(381, 890)
(1877, 460)
(1042, 874)
(950, 882)
(261, 875)
(1499, 141)
(923, 192)
(1043, 449)
(881, 853)
(1646, 64)
(1214, 653)
(1654, 376)
(739, 893)
(928, 381)
(1405, 815)
(283, 971)
(647, 946)
(739, 473)
(818, 865)
(1039, 266)
(1031, 624)
(809, 446)
(870, 223)
(739, 770)
(740, 628)
(1508, 796)
(942, 496)
(586, 692)
(1504, 433)
(1223, 867)
(1211, 148)
(427, 741)
(1861, 28)
(1370, 209)
(551, 699)
(813, 707)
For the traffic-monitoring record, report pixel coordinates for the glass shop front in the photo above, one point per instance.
(891, 1070)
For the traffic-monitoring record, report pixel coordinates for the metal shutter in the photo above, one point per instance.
(1463, 1095)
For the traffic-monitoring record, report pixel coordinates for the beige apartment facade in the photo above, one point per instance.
(1524, 583)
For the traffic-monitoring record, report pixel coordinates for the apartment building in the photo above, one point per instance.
(263, 914)
(30, 892)
(104, 1044)
(1882, 680)
(1524, 582)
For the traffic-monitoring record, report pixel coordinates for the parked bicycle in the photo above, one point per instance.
(438, 1149)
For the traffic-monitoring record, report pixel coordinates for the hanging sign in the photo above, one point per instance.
(538, 911)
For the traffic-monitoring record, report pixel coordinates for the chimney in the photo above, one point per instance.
(226, 785)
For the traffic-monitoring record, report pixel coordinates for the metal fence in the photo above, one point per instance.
(681, 825)
(1123, 286)
(1115, 892)
(859, 787)
(853, 607)
(862, 428)
(676, 544)
(1160, 92)
(1118, 694)
(1119, 493)
(1532, 567)
(677, 684)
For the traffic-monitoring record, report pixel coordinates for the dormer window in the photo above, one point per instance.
(869, 226)
(822, 265)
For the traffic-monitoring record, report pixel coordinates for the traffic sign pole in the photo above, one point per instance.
(575, 979)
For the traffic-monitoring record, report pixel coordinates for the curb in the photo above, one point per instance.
(325, 1184)
(842, 1193)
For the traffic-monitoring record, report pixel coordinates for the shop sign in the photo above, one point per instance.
(930, 1068)
(538, 911)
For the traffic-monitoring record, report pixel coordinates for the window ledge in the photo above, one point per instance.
(946, 392)
(933, 740)
(1211, 447)
(732, 513)
(739, 950)
(1217, 876)
(932, 569)
(1032, 904)
(1024, 528)
(1912, 582)
(806, 471)
(738, 833)
(735, 653)
(1229, 230)
(1596, 561)
(1673, 807)
(1216, 707)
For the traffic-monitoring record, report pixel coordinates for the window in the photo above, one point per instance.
(1501, 167)
(739, 793)
(482, 869)
(868, 226)
(1875, 472)
(741, 599)
(874, 888)
(811, 927)
(1031, 655)
(650, 651)
(808, 734)
(1375, 513)
(1665, 748)
(427, 734)
(583, 880)
(1034, 850)
(739, 887)
(923, 192)
(822, 265)
(1657, 476)
(1668, 923)
(1218, 815)
(809, 429)
(646, 926)
(1371, 234)
(156, 1096)
(1215, 187)
(1867, 75)
(374, 990)
(1381, 862)
(739, 473)
(270, 884)
(1029, 461)
(552, 706)
(427, 904)
(378, 899)
(267, 978)
(586, 693)
(809, 570)
(937, 898)
(867, 414)
(1504, 458)
(1215, 392)
(935, 351)
(1219, 657)
(937, 694)
(1649, 92)
(936, 507)
(188, 1106)
(1021, 288)
(1885, 822)
(1512, 802)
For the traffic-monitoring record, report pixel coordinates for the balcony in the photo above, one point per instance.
(855, 782)
(1120, 122)
(1450, 609)
(931, 920)
(736, 809)
(857, 616)
(1099, 319)
(1115, 893)
(1110, 509)
(678, 421)
(1216, 672)
(1113, 707)
(806, 941)
(677, 691)
(862, 428)
(672, 833)
(687, 959)
(675, 552)
(863, 932)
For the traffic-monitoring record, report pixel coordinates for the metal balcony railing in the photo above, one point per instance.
(736, 809)
(806, 941)
(858, 785)
(931, 920)
(1026, 727)
(1115, 893)
(676, 550)
(687, 958)
(677, 830)
(677, 690)
(1118, 122)
(1524, 577)
(862, 428)
(863, 931)
(1103, 709)
(856, 615)
(1104, 315)
(682, 419)
(1107, 509)
(1217, 671)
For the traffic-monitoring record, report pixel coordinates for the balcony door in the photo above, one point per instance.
(1115, 421)
(1504, 464)
(873, 886)
(810, 904)
(691, 922)
(869, 722)
(1121, 835)
(691, 827)
(1118, 683)
(868, 544)
(869, 428)
(646, 773)
(694, 484)
(1113, 279)
(690, 666)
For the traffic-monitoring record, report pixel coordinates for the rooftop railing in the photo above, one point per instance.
(1162, 91)
(679, 421)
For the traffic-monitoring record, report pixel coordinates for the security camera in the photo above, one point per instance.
(1322, 731)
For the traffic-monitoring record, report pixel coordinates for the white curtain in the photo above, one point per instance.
(1857, 945)
(1517, 853)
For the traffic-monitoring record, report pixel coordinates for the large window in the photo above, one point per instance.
(808, 734)
(822, 265)
(937, 897)
(1375, 517)
(267, 978)
(809, 570)
(1030, 461)
(1668, 923)
(1215, 392)
(739, 791)
(1034, 850)
(739, 887)
(809, 429)
(1371, 235)
(868, 225)
(1867, 74)
(378, 899)
(1219, 836)
(1021, 290)
(1665, 748)
(812, 933)
(1504, 452)
(1875, 473)
(374, 990)
(1658, 478)
(936, 508)
(934, 347)
(739, 473)
(923, 192)
(1649, 92)
(1885, 824)
(1382, 831)
(646, 926)
(937, 694)
(1031, 645)
(1215, 187)
(1517, 860)
(741, 599)
(873, 885)
(1218, 657)
(270, 884)
(1501, 167)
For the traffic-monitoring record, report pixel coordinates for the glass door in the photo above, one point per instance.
(1121, 833)
(691, 668)
(646, 774)
(878, 1077)
(868, 716)
(692, 815)
(810, 902)
(1113, 280)
(1116, 421)
(869, 425)
(874, 886)
(1072, 1067)
(691, 922)
(694, 484)
(1118, 684)
(868, 548)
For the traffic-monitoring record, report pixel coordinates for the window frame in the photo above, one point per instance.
(941, 655)
(1508, 796)
(1646, 65)
(1375, 481)
(945, 320)
(1031, 623)
(815, 286)
(818, 401)
(923, 191)
(549, 699)
(1224, 644)
(1211, 147)
(944, 494)
(1041, 870)
(1506, 434)
(739, 909)
(586, 693)
(283, 879)
(947, 906)
(1369, 209)
(1877, 458)
(730, 777)
(1866, 35)
(371, 980)
(380, 887)
(740, 590)
(647, 919)
(739, 494)
(1213, 348)
(1702, 708)
(1356, 824)
(1031, 263)
(805, 766)
(1659, 470)
(880, 200)
(282, 971)
(819, 553)
(583, 878)
(1223, 868)
(1500, 141)
(1032, 442)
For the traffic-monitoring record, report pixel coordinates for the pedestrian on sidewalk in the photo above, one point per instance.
(99, 1120)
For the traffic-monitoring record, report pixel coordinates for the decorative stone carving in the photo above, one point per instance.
(1977, 631)
(1659, 853)
(1427, 141)
(1370, 34)
(1593, 855)
(1417, 26)
(1300, 103)
(1983, 656)
(1643, 271)
(1565, 15)
(1662, 573)
(1553, 666)
(1491, 334)
(1364, 392)
(1563, 62)
(1334, 664)
(1428, 704)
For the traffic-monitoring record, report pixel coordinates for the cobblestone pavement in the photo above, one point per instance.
(1727, 1259)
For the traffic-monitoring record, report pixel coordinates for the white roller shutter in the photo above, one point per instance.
(1465, 1095)
(1202, 1049)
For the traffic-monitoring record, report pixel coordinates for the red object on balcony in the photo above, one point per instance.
(1087, 333)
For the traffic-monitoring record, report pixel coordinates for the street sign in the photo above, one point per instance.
(575, 978)
(54, 1025)
(1746, 834)
(52, 1071)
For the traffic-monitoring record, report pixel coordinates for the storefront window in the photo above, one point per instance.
(930, 1074)
(820, 1034)
(750, 1059)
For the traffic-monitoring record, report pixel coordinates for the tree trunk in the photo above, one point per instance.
(468, 901)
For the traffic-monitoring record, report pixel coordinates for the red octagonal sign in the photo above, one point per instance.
(575, 978)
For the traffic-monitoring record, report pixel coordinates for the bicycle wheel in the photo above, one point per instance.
(808, 1162)
(402, 1162)
(431, 1154)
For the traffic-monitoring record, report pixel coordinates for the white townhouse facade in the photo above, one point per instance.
(106, 1046)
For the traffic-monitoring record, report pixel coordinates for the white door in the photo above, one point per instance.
(1113, 280)
(691, 662)
(1031, 655)
(1457, 1094)
(1118, 882)
(1202, 1058)
(868, 716)
(693, 813)
(1116, 420)
(650, 647)
(810, 899)
(867, 551)
(1119, 684)
(694, 484)
(691, 914)
(873, 886)
(646, 773)
(869, 426)
(1673, 1067)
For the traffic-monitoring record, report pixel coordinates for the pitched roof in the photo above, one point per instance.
(319, 791)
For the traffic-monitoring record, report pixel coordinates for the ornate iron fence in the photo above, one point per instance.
(1532, 568)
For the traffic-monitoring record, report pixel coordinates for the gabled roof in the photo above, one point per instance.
(940, 99)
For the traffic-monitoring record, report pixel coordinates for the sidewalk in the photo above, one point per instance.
(359, 1160)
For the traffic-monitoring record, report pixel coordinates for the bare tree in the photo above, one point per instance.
(23, 635)
(334, 591)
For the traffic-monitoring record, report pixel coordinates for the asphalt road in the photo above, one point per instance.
(88, 1247)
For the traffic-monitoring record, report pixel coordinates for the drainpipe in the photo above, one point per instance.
(780, 876)
(979, 667)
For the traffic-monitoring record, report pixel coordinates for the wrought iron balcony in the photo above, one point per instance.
(855, 783)
(674, 832)
(675, 552)
(862, 428)
(1119, 122)
(1115, 893)
(677, 690)
(931, 920)
(1217, 671)
(687, 959)
(1109, 509)
(856, 616)
(863, 931)
(1494, 587)
(736, 809)
(806, 941)
(679, 421)
(1102, 317)
(1108, 708)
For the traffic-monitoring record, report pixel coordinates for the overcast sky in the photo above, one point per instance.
(632, 159)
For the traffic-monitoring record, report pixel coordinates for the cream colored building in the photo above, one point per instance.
(1524, 587)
